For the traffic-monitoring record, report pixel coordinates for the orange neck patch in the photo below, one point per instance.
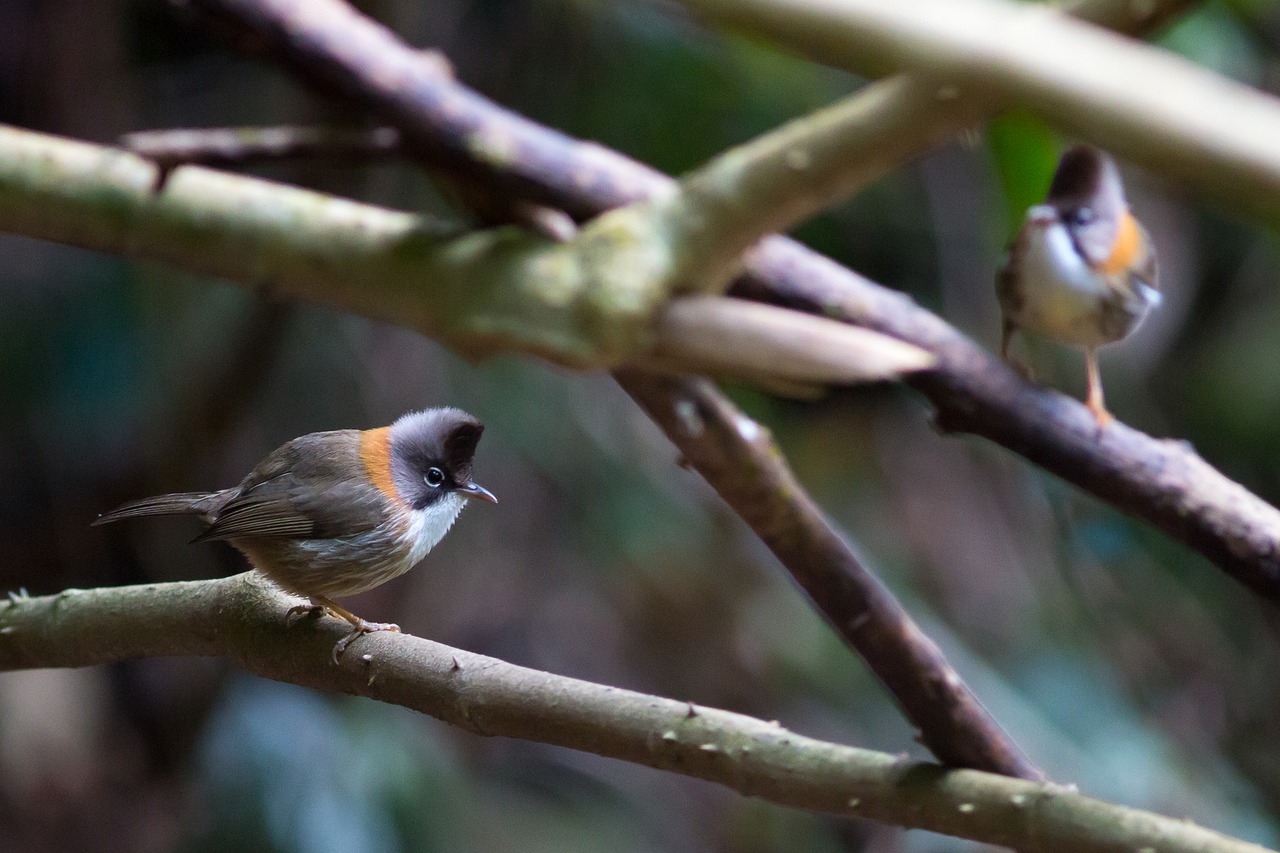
(1124, 252)
(375, 453)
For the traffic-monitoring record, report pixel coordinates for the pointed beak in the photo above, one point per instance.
(475, 490)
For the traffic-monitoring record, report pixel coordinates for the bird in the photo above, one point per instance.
(333, 514)
(1081, 269)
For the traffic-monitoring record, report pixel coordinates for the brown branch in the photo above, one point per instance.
(242, 617)
(739, 458)
(1163, 482)
(238, 147)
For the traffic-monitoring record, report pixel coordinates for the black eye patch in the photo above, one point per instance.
(1080, 216)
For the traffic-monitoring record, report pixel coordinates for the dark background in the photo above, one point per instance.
(1119, 660)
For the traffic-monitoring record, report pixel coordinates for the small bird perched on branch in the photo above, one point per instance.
(1082, 269)
(333, 514)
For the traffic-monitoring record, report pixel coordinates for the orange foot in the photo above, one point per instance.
(1101, 415)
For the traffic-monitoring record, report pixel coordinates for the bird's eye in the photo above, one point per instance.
(1083, 216)
(434, 477)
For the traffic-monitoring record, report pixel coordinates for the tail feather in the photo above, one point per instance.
(182, 503)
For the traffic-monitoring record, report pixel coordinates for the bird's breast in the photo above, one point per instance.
(1059, 295)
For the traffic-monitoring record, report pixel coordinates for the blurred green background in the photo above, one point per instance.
(1119, 661)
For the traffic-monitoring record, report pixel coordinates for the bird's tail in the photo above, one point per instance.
(182, 503)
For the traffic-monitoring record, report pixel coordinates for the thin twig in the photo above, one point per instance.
(242, 617)
(244, 146)
(247, 146)
(739, 458)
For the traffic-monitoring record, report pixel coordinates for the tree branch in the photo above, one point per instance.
(739, 458)
(785, 176)
(597, 300)
(246, 146)
(1146, 104)
(242, 617)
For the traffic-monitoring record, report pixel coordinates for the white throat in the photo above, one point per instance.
(428, 526)
(1052, 260)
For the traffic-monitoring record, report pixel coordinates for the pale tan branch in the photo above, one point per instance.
(734, 336)
(1143, 103)
(243, 618)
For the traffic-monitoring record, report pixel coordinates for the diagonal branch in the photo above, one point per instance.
(242, 617)
(785, 176)
(1163, 482)
(739, 459)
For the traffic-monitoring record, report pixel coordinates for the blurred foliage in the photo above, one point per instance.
(1118, 660)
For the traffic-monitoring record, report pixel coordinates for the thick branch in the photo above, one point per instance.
(1143, 103)
(1165, 483)
(243, 618)
(740, 460)
(594, 301)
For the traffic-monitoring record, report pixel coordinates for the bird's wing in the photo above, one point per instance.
(1148, 272)
(1008, 293)
(293, 508)
(303, 492)
(267, 510)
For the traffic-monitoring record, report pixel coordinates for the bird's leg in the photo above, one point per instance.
(359, 627)
(1007, 328)
(302, 611)
(1094, 400)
